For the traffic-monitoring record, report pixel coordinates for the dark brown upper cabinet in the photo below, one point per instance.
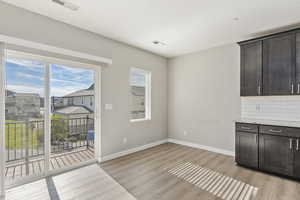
(279, 65)
(297, 90)
(270, 65)
(251, 69)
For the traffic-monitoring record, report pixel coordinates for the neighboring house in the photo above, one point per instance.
(77, 104)
(9, 93)
(21, 106)
(137, 102)
(74, 111)
(81, 103)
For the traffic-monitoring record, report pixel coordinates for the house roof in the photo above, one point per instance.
(85, 92)
(72, 110)
(138, 91)
(81, 93)
(9, 92)
(26, 94)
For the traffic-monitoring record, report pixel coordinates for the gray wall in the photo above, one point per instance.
(203, 92)
(115, 78)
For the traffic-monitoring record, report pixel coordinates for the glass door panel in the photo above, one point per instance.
(72, 120)
(24, 119)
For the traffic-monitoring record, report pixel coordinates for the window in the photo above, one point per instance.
(140, 94)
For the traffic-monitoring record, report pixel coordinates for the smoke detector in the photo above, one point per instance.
(66, 4)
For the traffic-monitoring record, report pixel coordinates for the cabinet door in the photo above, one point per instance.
(297, 91)
(247, 149)
(279, 65)
(276, 154)
(297, 159)
(251, 69)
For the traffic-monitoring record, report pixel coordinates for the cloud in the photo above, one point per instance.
(72, 69)
(29, 76)
(55, 91)
(62, 91)
(138, 79)
(69, 82)
(72, 74)
(30, 65)
(26, 89)
(64, 80)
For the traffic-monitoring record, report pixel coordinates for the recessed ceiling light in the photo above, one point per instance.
(158, 42)
(66, 4)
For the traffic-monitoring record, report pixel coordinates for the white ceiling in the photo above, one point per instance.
(184, 25)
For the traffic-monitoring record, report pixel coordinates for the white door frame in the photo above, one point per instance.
(97, 117)
(2, 121)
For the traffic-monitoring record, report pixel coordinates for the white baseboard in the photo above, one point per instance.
(133, 150)
(199, 146)
(153, 144)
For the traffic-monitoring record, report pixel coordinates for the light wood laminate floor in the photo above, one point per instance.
(145, 175)
(86, 183)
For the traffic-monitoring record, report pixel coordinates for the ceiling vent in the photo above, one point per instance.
(66, 4)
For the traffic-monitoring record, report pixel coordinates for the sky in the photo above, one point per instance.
(28, 77)
(138, 79)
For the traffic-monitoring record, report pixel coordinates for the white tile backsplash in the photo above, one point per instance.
(272, 108)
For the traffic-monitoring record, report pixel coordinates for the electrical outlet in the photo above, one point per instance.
(184, 133)
(125, 140)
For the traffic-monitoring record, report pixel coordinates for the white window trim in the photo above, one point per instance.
(54, 49)
(148, 95)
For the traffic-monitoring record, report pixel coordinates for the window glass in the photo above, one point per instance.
(140, 96)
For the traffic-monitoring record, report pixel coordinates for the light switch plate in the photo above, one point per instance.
(108, 106)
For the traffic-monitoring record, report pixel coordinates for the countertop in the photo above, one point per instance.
(270, 122)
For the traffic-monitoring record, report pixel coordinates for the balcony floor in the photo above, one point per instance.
(17, 170)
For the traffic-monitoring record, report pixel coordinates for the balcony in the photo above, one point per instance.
(72, 142)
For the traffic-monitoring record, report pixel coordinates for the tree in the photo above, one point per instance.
(59, 129)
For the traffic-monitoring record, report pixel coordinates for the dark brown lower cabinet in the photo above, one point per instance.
(297, 159)
(276, 154)
(247, 149)
(274, 149)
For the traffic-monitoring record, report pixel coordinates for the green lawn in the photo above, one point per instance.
(15, 136)
(15, 133)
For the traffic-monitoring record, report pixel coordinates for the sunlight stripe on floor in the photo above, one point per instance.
(218, 184)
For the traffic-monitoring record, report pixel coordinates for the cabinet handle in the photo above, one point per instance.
(258, 90)
(298, 88)
(275, 131)
(256, 138)
(291, 143)
(245, 127)
(297, 146)
(292, 91)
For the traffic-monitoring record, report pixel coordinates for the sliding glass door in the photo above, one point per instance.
(24, 119)
(50, 114)
(72, 120)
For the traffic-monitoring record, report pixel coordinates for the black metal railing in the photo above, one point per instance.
(25, 139)
(68, 134)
